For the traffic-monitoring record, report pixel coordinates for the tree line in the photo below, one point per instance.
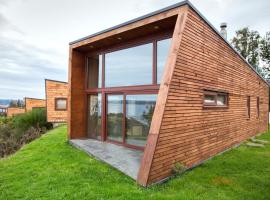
(16, 103)
(255, 49)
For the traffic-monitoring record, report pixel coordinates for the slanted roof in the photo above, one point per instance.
(133, 20)
(56, 81)
(174, 6)
(33, 98)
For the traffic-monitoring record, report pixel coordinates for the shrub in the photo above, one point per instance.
(178, 168)
(34, 119)
(8, 141)
(21, 129)
(3, 120)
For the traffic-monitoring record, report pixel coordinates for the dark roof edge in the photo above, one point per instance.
(55, 81)
(201, 15)
(132, 21)
(33, 98)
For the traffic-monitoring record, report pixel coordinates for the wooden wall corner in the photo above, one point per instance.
(76, 95)
(153, 136)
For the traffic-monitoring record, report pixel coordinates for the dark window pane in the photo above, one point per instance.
(258, 106)
(94, 116)
(95, 71)
(209, 99)
(248, 106)
(132, 66)
(162, 54)
(139, 112)
(115, 117)
(221, 100)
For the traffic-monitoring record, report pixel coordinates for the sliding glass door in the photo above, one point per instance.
(128, 118)
(139, 112)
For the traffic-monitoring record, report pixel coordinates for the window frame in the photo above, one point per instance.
(152, 88)
(258, 107)
(248, 107)
(55, 103)
(134, 43)
(215, 94)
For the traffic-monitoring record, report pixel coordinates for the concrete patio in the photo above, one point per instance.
(124, 159)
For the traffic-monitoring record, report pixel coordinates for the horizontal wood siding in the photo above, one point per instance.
(15, 111)
(31, 103)
(189, 133)
(55, 89)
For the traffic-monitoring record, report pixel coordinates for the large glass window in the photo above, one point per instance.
(115, 117)
(94, 116)
(162, 54)
(139, 112)
(127, 67)
(126, 117)
(95, 71)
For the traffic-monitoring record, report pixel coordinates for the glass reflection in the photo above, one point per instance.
(115, 117)
(139, 112)
(132, 66)
(94, 116)
(162, 54)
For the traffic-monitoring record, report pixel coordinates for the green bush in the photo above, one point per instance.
(21, 129)
(34, 119)
(3, 120)
(8, 141)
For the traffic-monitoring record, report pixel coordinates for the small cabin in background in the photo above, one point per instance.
(34, 103)
(12, 111)
(56, 96)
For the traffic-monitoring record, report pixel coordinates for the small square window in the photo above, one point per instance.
(215, 99)
(60, 104)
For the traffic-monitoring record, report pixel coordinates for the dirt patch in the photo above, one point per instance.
(219, 180)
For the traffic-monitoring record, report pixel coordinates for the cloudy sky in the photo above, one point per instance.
(34, 34)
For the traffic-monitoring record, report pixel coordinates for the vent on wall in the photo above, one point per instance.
(223, 30)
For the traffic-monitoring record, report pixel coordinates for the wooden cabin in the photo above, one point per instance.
(56, 104)
(166, 84)
(34, 103)
(13, 111)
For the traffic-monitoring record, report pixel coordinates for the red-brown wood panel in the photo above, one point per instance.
(76, 95)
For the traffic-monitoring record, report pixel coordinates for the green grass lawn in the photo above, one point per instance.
(50, 168)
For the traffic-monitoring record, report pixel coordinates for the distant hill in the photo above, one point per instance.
(4, 101)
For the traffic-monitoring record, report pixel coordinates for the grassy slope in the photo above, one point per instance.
(49, 168)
